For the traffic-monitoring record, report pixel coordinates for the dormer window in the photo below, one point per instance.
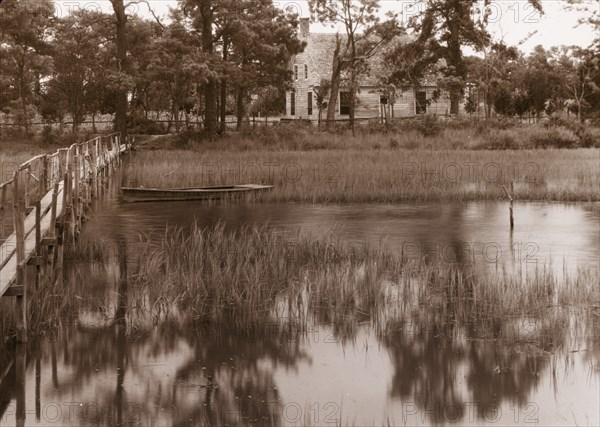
(305, 72)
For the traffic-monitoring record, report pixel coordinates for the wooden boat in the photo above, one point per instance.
(198, 193)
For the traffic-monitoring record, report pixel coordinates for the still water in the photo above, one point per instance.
(93, 372)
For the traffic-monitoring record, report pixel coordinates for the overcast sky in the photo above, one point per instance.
(512, 20)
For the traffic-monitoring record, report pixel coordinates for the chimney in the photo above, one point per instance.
(304, 28)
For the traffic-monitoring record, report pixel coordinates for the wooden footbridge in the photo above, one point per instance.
(49, 195)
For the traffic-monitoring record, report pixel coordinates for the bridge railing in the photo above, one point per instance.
(49, 194)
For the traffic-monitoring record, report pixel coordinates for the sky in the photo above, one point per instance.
(511, 20)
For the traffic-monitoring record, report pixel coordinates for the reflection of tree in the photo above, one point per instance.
(237, 388)
(425, 365)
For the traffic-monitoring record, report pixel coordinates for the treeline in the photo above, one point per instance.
(210, 59)
(213, 58)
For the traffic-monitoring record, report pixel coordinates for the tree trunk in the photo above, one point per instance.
(335, 83)
(210, 88)
(224, 92)
(241, 93)
(455, 53)
(121, 97)
(353, 82)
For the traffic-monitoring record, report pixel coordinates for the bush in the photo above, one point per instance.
(49, 136)
(557, 137)
(506, 139)
(183, 139)
(589, 137)
(426, 125)
(144, 126)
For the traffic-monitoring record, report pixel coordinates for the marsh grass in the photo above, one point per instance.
(379, 176)
(252, 275)
(254, 278)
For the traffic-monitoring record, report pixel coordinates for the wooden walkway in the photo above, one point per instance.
(49, 195)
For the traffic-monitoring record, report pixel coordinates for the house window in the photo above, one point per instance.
(305, 72)
(293, 103)
(309, 98)
(295, 72)
(421, 102)
(383, 100)
(345, 103)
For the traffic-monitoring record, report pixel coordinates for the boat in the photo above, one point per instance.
(141, 194)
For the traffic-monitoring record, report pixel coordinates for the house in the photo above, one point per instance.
(315, 64)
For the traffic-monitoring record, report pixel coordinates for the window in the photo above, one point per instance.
(383, 100)
(305, 72)
(295, 72)
(345, 103)
(293, 103)
(309, 98)
(421, 104)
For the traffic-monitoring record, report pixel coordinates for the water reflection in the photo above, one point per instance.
(109, 364)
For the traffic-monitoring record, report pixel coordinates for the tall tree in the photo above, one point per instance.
(442, 30)
(24, 59)
(121, 103)
(202, 14)
(364, 34)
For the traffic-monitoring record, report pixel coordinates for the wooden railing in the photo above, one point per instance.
(49, 195)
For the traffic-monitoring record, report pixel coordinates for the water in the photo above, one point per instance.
(94, 373)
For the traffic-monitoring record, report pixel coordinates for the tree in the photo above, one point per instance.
(443, 29)
(364, 35)
(24, 59)
(262, 45)
(75, 50)
(322, 93)
(122, 68)
(202, 14)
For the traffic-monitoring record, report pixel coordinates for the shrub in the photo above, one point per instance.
(504, 139)
(589, 137)
(394, 143)
(49, 136)
(144, 126)
(184, 138)
(557, 137)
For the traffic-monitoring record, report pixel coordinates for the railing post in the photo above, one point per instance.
(27, 179)
(3, 196)
(44, 176)
(38, 242)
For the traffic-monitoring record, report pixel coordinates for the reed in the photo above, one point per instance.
(379, 176)
(256, 274)
(254, 278)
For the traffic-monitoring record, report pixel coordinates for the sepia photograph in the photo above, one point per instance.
(299, 213)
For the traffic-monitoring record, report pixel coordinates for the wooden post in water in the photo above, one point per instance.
(21, 280)
(20, 376)
(512, 220)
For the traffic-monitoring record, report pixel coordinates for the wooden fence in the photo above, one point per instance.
(49, 195)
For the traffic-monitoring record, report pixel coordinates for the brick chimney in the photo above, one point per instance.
(304, 28)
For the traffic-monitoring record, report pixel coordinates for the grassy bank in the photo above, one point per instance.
(379, 176)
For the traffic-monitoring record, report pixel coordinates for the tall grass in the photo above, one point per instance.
(255, 275)
(380, 176)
